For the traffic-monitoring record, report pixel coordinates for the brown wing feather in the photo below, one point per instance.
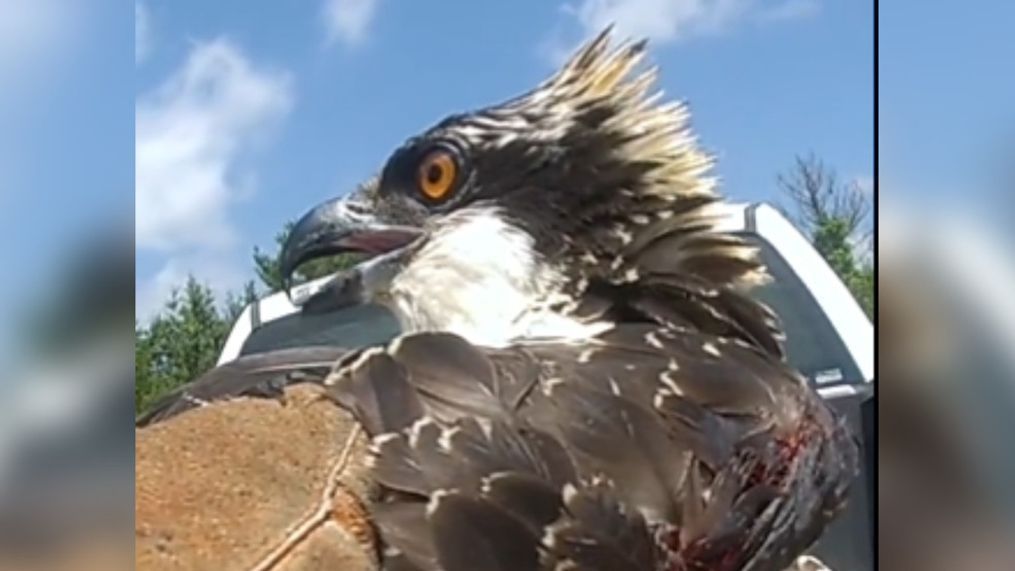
(556, 453)
(261, 375)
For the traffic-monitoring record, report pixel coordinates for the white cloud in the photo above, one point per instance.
(665, 21)
(191, 132)
(348, 20)
(142, 32)
(789, 10)
(659, 20)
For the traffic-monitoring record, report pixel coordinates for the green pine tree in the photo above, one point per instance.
(179, 344)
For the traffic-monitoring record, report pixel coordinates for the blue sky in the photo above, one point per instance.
(946, 93)
(66, 138)
(287, 103)
(246, 113)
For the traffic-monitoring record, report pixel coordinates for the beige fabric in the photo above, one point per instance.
(254, 484)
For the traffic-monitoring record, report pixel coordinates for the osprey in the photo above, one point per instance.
(584, 381)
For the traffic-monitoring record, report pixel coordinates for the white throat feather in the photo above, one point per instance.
(480, 277)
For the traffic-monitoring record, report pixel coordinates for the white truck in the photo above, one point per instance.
(829, 339)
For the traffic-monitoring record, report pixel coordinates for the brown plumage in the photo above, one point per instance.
(585, 381)
(658, 428)
(647, 448)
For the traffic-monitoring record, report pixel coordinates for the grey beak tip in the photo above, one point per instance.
(311, 236)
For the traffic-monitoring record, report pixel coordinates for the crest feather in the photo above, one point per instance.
(652, 133)
(677, 186)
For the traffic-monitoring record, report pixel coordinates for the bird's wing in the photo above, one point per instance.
(646, 448)
(260, 375)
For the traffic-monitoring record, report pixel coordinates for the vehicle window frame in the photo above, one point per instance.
(818, 319)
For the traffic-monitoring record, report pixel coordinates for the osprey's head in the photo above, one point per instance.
(511, 220)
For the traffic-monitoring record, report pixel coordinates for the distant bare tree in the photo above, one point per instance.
(818, 196)
(832, 214)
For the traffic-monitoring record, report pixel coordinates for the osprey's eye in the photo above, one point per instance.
(437, 174)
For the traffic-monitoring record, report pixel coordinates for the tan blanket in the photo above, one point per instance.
(254, 484)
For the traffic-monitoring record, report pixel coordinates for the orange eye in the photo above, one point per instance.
(437, 174)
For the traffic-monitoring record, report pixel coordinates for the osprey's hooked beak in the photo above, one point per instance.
(341, 225)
